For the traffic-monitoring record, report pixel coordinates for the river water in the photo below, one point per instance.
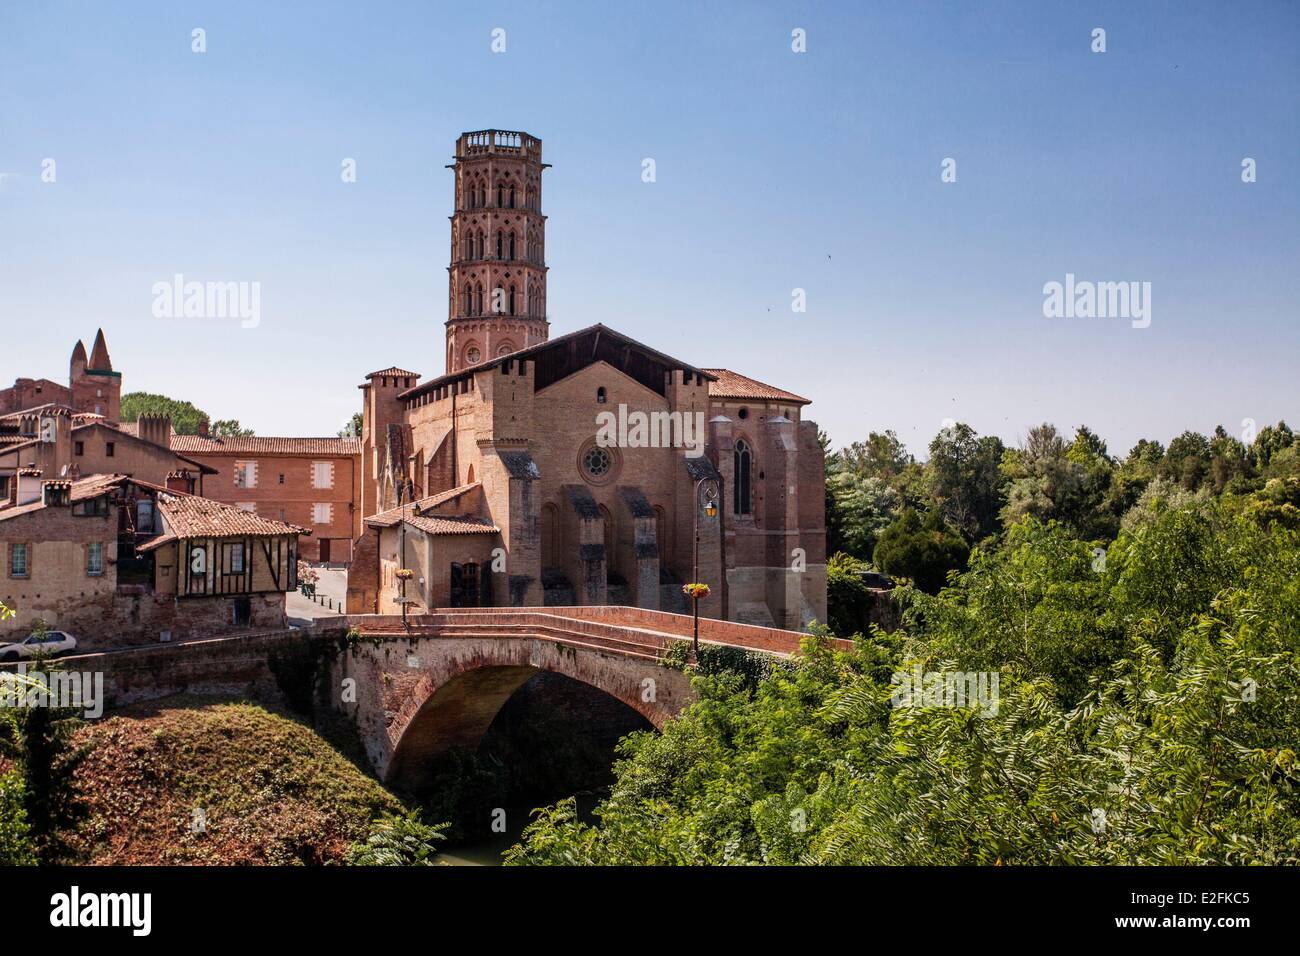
(489, 850)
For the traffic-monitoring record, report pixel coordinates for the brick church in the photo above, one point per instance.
(574, 469)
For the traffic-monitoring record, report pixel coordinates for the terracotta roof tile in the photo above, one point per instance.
(731, 384)
(189, 516)
(393, 372)
(318, 447)
(185, 516)
(453, 524)
(387, 519)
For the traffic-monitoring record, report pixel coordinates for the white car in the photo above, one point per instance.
(49, 644)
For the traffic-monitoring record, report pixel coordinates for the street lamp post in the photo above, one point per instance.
(710, 488)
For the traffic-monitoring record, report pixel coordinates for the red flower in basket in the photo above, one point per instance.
(695, 590)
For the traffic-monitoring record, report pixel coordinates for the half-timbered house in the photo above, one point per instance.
(116, 560)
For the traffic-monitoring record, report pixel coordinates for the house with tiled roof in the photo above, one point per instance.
(309, 481)
(585, 468)
(69, 431)
(443, 539)
(116, 561)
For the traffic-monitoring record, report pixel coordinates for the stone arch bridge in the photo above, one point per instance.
(436, 681)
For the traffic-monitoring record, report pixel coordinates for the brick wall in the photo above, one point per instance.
(294, 498)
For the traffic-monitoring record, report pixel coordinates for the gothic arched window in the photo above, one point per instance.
(600, 395)
(512, 197)
(500, 244)
(512, 300)
(501, 190)
(743, 459)
(512, 245)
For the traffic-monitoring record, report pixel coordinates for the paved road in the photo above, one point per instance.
(303, 611)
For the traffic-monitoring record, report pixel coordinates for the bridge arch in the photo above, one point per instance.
(459, 712)
(420, 697)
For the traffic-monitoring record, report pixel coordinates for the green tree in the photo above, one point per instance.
(1188, 460)
(848, 599)
(1269, 442)
(965, 479)
(185, 417)
(230, 428)
(1043, 481)
(881, 456)
(353, 428)
(15, 835)
(38, 739)
(863, 506)
(922, 551)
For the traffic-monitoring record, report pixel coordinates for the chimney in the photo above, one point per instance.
(29, 485)
(156, 429)
(203, 428)
(56, 493)
(181, 480)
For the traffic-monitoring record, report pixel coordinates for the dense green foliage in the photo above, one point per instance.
(980, 488)
(38, 741)
(15, 835)
(398, 840)
(185, 416)
(922, 551)
(1148, 712)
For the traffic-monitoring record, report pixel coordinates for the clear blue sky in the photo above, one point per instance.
(775, 171)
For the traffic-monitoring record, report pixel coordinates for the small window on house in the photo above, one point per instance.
(95, 559)
(18, 560)
(600, 395)
(78, 448)
(109, 448)
(245, 474)
(249, 506)
(322, 474)
(743, 414)
(281, 477)
(237, 558)
(321, 513)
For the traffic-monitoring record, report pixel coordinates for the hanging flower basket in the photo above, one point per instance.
(405, 574)
(695, 590)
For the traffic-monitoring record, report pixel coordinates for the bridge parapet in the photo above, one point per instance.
(652, 629)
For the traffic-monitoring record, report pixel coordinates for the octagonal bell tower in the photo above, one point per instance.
(497, 277)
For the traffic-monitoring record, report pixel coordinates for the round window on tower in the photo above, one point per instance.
(473, 355)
